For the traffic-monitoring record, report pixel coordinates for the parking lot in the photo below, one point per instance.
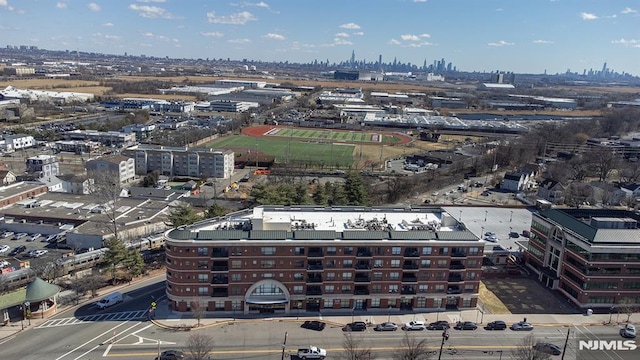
(30, 244)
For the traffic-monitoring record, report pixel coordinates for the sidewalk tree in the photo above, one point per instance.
(134, 263)
(115, 255)
(199, 346)
(355, 349)
(627, 306)
(411, 348)
(526, 351)
(198, 309)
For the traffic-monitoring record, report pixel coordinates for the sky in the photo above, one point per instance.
(523, 36)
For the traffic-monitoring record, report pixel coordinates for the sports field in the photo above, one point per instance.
(325, 135)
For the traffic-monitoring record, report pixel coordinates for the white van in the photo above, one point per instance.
(109, 300)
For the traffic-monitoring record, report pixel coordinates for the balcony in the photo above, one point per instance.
(364, 252)
(455, 278)
(315, 252)
(458, 254)
(362, 278)
(315, 278)
(409, 278)
(361, 290)
(408, 290)
(220, 292)
(363, 265)
(313, 290)
(411, 252)
(219, 253)
(457, 265)
(410, 265)
(220, 266)
(220, 280)
(454, 290)
(314, 265)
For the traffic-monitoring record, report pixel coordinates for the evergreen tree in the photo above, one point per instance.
(320, 195)
(355, 189)
(183, 214)
(115, 255)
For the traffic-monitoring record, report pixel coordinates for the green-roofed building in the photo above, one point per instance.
(38, 298)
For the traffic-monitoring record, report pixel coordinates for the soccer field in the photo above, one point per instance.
(325, 135)
(290, 150)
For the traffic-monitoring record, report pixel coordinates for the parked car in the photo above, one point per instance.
(313, 325)
(514, 234)
(465, 325)
(355, 326)
(628, 331)
(4, 249)
(496, 325)
(414, 325)
(34, 237)
(36, 253)
(491, 238)
(17, 250)
(20, 236)
(7, 234)
(439, 325)
(4, 264)
(170, 355)
(522, 326)
(548, 348)
(386, 326)
(489, 233)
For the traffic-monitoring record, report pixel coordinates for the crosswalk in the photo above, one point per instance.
(118, 316)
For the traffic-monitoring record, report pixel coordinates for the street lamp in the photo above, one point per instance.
(284, 344)
(485, 215)
(511, 217)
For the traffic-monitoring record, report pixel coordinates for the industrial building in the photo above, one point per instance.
(277, 258)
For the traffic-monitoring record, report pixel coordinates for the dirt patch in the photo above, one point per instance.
(526, 296)
(492, 304)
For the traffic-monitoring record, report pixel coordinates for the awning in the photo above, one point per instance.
(266, 300)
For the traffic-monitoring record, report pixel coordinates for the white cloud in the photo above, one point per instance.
(628, 10)
(419, 1)
(112, 37)
(411, 37)
(500, 43)
(357, 33)
(240, 18)
(588, 16)
(351, 26)
(542, 42)
(239, 41)
(152, 1)
(214, 34)
(419, 45)
(151, 12)
(341, 41)
(148, 34)
(4, 3)
(107, 24)
(61, 5)
(628, 43)
(94, 7)
(342, 34)
(394, 42)
(273, 36)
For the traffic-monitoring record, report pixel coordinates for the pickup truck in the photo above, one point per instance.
(312, 352)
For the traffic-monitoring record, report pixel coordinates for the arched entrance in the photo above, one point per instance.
(267, 296)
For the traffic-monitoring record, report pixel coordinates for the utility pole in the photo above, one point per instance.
(566, 341)
(284, 345)
(445, 336)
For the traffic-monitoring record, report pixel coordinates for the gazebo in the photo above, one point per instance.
(36, 299)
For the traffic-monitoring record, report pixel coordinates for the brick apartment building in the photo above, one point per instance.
(591, 256)
(277, 259)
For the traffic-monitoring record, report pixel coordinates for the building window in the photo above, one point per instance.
(203, 277)
(236, 264)
(329, 288)
(348, 250)
(203, 251)
(269, 250)
(425, 263)
(347, 264)
(466, 302)
(394, 275)
(346, 276)
(426, 250)
(203, 264)
(297, 289)
(395, 250)
(472, 263)
(236, 277)
(473, 251)
(376, 289)
(442, 263)
(267, 264)
(471, 276)
(268, 275)
(203, 291)
(395, 263)
(423, 288)
(375, 303)
(377, 263)
(377, 276)
(393, 288)
(299, 251)
(331, 276)
(444, 250)
(298, 276)
(327, 303)
(469, 288)
(421, 302)
(346, 289)
(439, 288)
(331, 250)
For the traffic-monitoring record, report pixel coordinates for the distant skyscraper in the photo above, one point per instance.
(353, 58)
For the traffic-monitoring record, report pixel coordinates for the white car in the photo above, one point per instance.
(36, 253)
(4, 264)
(4, 249)
(414, 325)
(629, 331)
(34, 237)
(491, 238)
(20, 236)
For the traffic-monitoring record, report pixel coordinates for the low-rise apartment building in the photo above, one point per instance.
(121, 166)
(277, 258)
(175, 161)
(591, 256)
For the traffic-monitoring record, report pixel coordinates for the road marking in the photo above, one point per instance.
(127, 315)
(106, 351)
(109, 339)
(96, 337)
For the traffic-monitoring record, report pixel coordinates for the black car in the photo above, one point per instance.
(496, 325)
(355, 326)
(439, 325)
(465, 325)
(171, 355)
(548, 348)
(313, 325)
(17, 250)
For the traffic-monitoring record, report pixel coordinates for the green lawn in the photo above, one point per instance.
(292, 150)
(339, 136)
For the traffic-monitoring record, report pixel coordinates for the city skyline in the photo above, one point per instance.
(550, 36)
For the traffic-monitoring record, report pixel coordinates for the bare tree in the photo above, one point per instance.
(526, 350)
(106, 190)
(354, 349)
(199, 346)
(198, 310)
(627, 306)
(412, 349)
(630, 172)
